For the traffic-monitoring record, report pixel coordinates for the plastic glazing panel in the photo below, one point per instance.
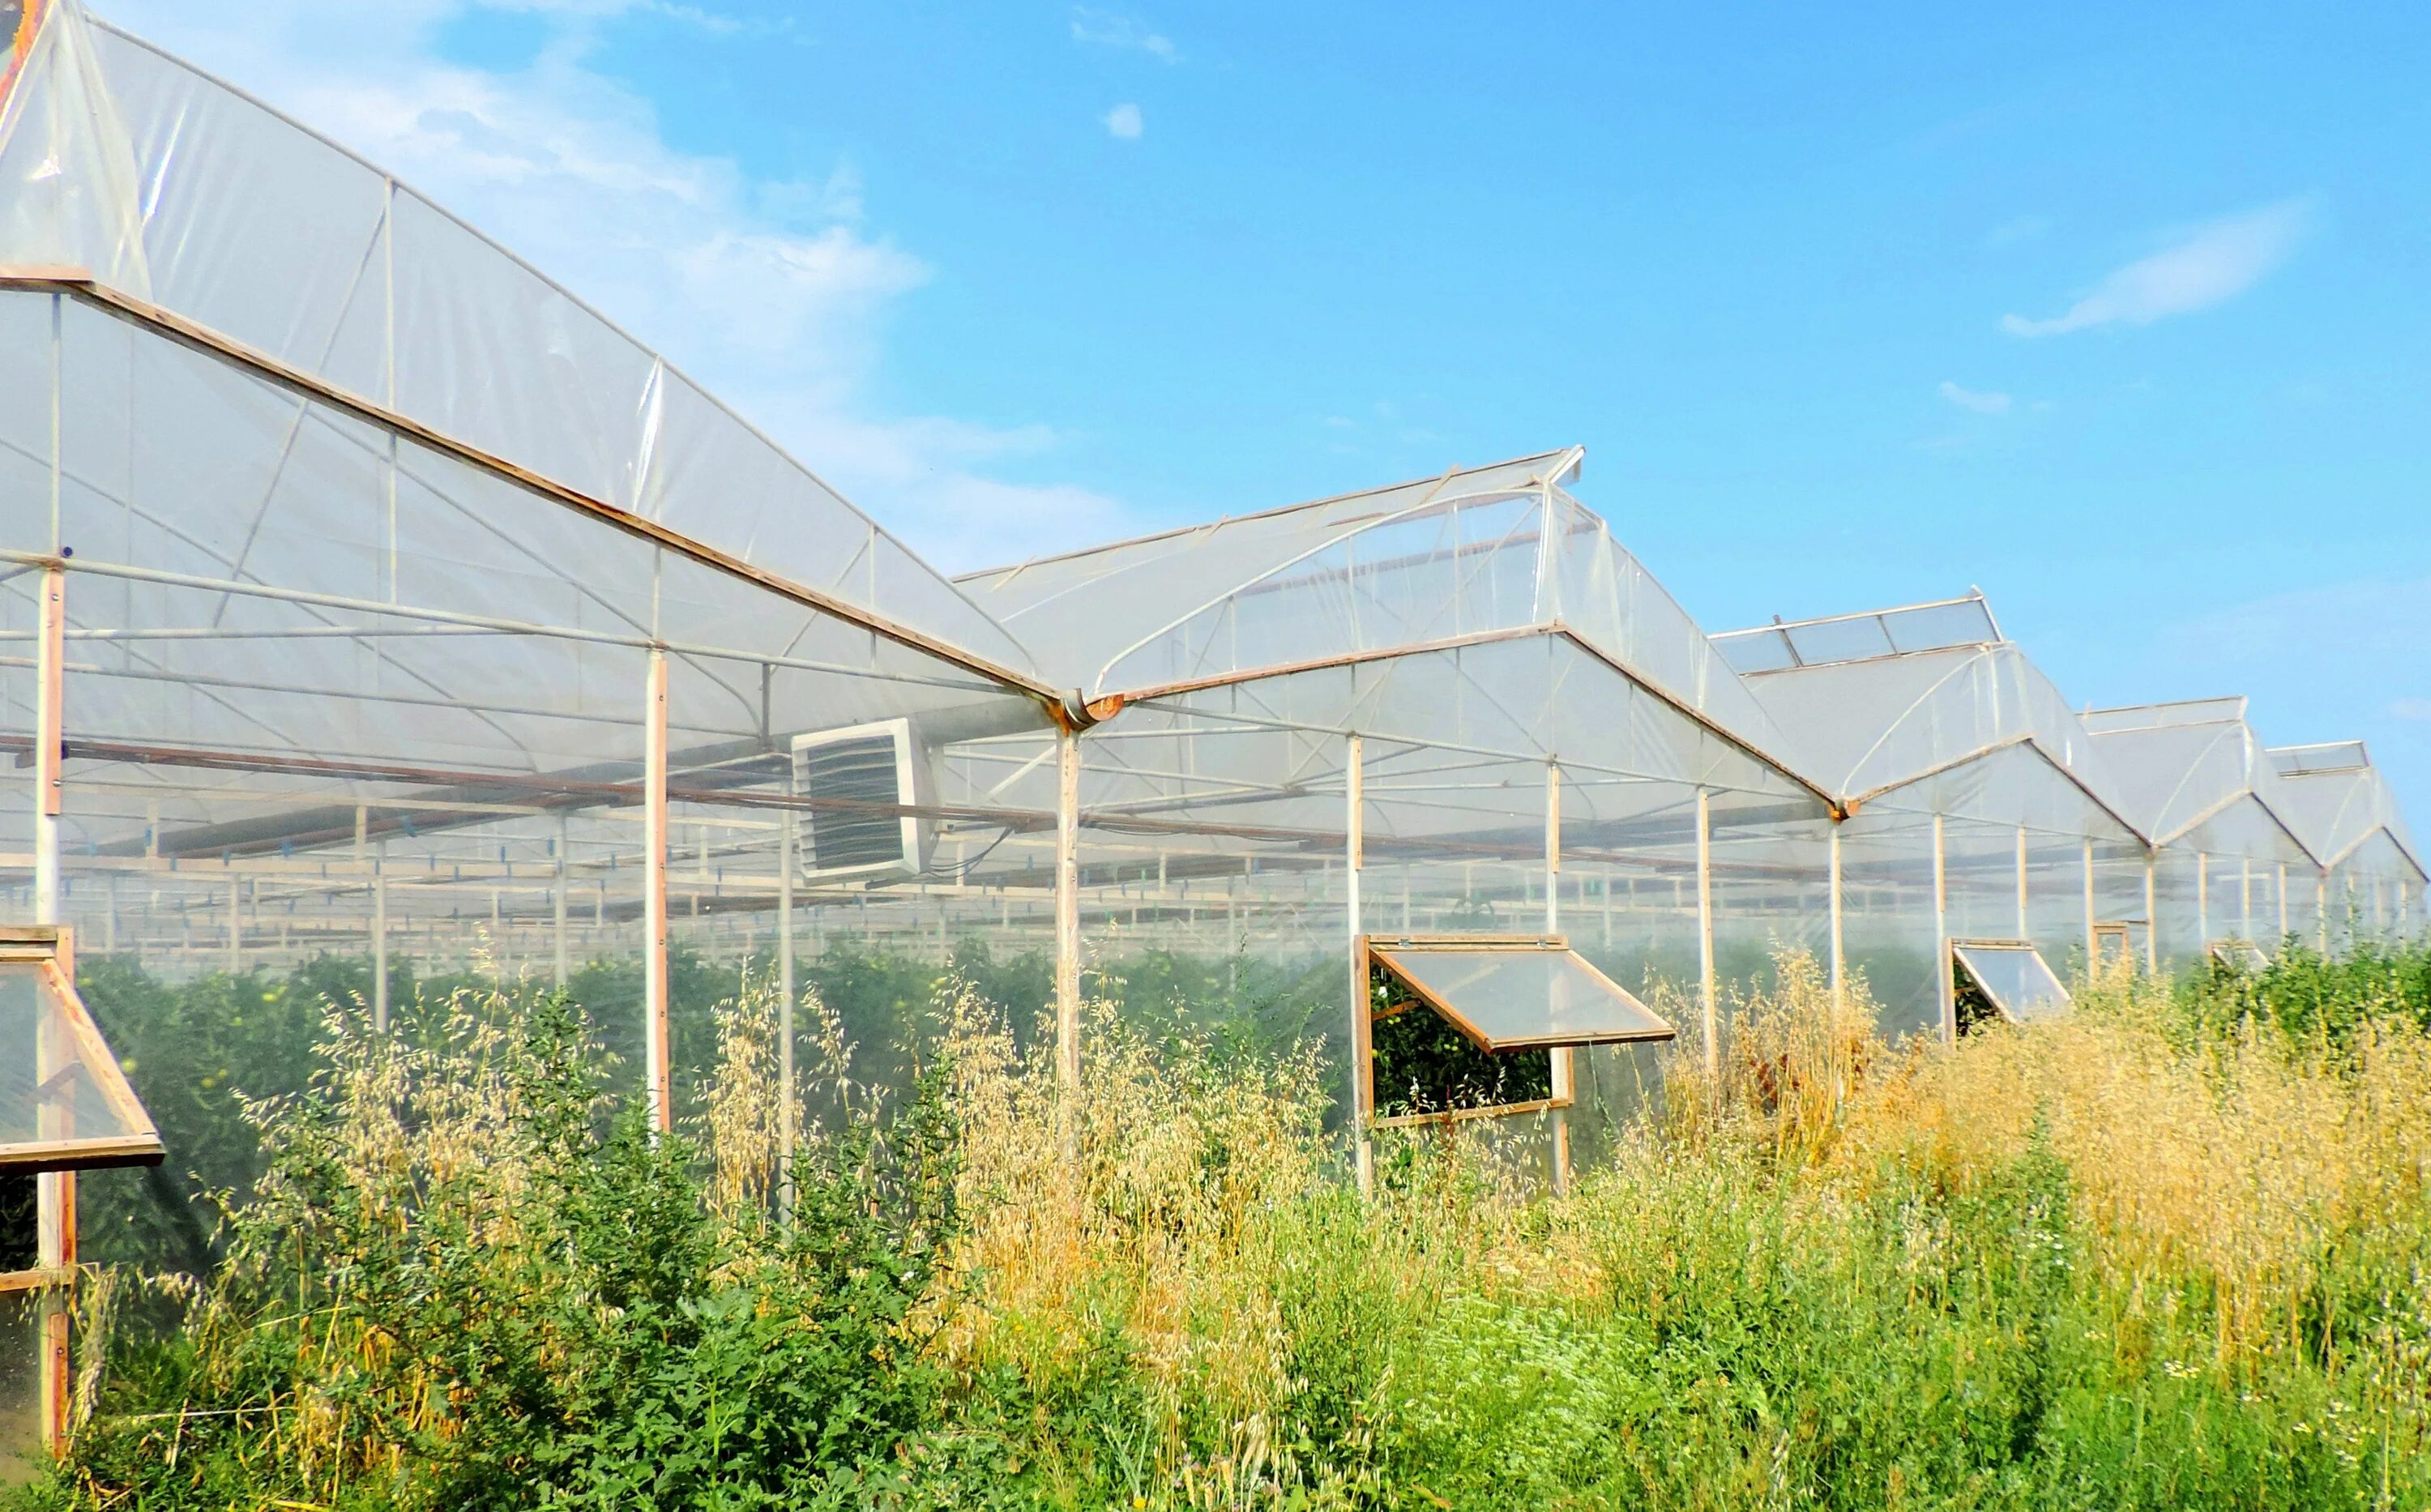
(1521, 998)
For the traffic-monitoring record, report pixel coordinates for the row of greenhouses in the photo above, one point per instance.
(368, 596)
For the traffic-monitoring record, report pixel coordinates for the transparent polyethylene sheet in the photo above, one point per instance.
(51, 1096)
(2178, 771)
(176, 189)
(2016, 979)
(1859, 637)
(1490, 552)
(1864, 728)
(2336, 809)
(1516, 998)
(264, 574)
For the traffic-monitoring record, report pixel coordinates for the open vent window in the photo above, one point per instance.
(2114, 944)
(1465, 1026)
(864, 785)
(2004, 979)
(64, 1102)
(2238, 955)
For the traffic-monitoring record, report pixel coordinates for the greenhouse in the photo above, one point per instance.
(372, 597)
(1978, 808)
(1452, 707)
(375, 609)
(2228, 865)
(2372, 880)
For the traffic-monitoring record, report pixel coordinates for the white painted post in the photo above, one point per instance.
(1067, 911)
(1354, 819)
(786, 1095)
(557, 904)
(1565, 1064)
(1708, 999)
(1838, 962)
(658, 1088)
(1945, 994)
(50, 676)
(379, 937)
(2025, 926)
(2151, 921)
(2092, 946)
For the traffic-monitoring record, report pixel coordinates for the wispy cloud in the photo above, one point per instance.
(2214, 263)
(1124, 121)
(1118, 29)
(1982, 402)
(2024, 229)
(774, 293)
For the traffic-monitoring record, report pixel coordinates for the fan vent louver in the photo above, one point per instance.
(860, 781)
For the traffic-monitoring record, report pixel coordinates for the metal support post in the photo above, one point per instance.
(379, 937)
(2151, 921)
(50, 676)
(1564, 1058)
(1839, 997)
(1067, 911)
(658, 1088)
(2025, 922)
(1945, 994)
(55, 1191)
(2092, 946)
(787, 1096)
(1354, 820)
(557, 905)
(1708, 999)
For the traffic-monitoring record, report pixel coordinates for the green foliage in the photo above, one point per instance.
(1423, 1065)
(2302, 995)
(452, 1275)
(455, 1286)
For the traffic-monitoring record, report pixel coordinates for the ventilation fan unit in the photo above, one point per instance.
(860, 781)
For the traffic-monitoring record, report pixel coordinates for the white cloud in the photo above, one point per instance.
(775, 295)
(2024, 229)
(2212, 263)
(1124, 121)
(1982, 403)
(1114, 29)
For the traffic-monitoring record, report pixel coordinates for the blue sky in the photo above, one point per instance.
(2119, 312)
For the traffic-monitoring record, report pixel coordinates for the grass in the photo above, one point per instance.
(2172, 1251)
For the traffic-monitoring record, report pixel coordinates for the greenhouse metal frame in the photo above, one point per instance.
(1976, 803)
(363, 591)
(2204, 789)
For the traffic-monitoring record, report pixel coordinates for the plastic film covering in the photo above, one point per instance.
(2180, 765)
(1980, 804)
(1783, 646)
(2373, 878)
(2198, 782)
(331, 689)
(1474, 555)
(176, 189)
(1865, 729)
